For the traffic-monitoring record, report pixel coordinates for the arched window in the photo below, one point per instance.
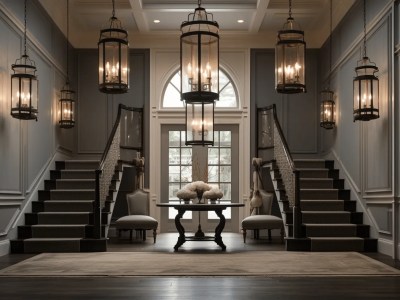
(227, 92)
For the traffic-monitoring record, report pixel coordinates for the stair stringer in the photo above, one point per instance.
(355, 194)
(273, 168)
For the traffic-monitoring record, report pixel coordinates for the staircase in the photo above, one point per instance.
(330, 221)
(62, 220)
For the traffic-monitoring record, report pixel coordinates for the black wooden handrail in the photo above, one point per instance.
(297, 217)
(100, 169)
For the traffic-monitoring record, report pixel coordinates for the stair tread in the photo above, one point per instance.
(63, 212)
(331, 225)
(59, 225)
(319, 189)
(68, 201)
(344, 238)
(53, 239)
(312, 169)
(77, 180)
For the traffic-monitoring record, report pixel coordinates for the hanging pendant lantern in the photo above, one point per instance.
(67, 107)
(67, 98)
(290, 75)
(113, 58)
(328, 110)
(366, 85)
(199, 50)
(24, 86)
(200, 123)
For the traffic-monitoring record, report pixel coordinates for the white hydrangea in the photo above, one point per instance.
(214, 193)
(186, 194)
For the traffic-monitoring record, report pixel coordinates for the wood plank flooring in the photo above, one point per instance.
(292, 288)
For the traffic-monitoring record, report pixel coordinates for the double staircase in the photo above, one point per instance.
(329, 220)
(62, 220)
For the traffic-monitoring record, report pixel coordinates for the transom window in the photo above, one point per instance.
(227, 92)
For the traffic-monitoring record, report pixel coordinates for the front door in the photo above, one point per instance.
(218, 165)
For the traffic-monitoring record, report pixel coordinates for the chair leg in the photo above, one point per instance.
(130, 235)
(244, 235)
(269, 235)
(154, 235)
(119, 233)
(144, 234)
(282, 235)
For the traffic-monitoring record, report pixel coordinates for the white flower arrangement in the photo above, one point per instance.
(193, 190)
(186, 194)
(213, 194)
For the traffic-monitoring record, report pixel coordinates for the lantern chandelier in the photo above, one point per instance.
(24, 85)
(328, 111)
(113, 57)
(290, 75)
(199, 49)
(365, 84)
(67, 99)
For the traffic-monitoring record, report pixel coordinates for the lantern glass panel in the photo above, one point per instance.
(189, 63)
(200, 123)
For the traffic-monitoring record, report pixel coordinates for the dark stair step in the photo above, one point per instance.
(337, 230)
(328, 205)
(332, 244)
(321, 183)
(77, 164)
(332, 217)
(63, 206)
(318, 173)
(67, 194)
(40, 245)
(56, 231)
(70, 184)
(72, 174)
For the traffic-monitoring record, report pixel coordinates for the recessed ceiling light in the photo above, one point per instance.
(240, 21)
(156, 21)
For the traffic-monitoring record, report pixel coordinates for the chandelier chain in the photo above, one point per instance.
(290, 8)
(25, 28)
(67, 42)
(199, 3)
(113, 8)
(365, 29)
(330, 45)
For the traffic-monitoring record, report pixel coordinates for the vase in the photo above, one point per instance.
(199, 196)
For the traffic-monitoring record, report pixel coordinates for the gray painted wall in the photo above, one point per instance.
(366, 152)
(297, 113)
(28, 148)
(98, 111)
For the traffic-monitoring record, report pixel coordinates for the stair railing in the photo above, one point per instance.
(106, 170)
(290, 175)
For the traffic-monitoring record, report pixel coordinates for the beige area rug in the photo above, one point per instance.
(254, 263)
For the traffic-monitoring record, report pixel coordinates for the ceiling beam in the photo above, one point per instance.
(139, 16)
(258, 18)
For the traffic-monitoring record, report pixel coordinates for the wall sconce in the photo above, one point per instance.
(199, 50)
(290, 75)
(24, 86)
(67, 98)
(366, 85)
(113, 58)
(200, 123)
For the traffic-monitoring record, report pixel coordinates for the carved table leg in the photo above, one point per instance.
(180, 228)
(219, 228)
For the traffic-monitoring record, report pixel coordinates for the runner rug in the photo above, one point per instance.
(254, 263)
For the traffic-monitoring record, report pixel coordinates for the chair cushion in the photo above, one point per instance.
(136, 222)
(262, 222)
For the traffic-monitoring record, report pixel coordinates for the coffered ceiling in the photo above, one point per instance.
(261, 18)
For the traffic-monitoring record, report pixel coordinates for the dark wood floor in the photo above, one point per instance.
(293, 288)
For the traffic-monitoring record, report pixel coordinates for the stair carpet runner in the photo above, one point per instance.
(62, 219)
(330, 221)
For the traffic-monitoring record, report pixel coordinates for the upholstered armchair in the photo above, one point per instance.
(138, 218)
(262, 218)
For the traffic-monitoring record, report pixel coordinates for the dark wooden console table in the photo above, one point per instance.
(182, 208)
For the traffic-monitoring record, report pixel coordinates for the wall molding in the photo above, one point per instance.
(385, 246)
(12, 20)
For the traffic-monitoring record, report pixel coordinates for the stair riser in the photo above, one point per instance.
(57, 232)
(361, 231)
(310, 164)
(314, 174)
(66, 195)
(77, 175)
(337, 245)
(58, 206)
(51, 246)
(319, 194)
(77, 185)
(325, 218)
(77, 165)
(63, 219)
(316, 184)
(322, 205)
